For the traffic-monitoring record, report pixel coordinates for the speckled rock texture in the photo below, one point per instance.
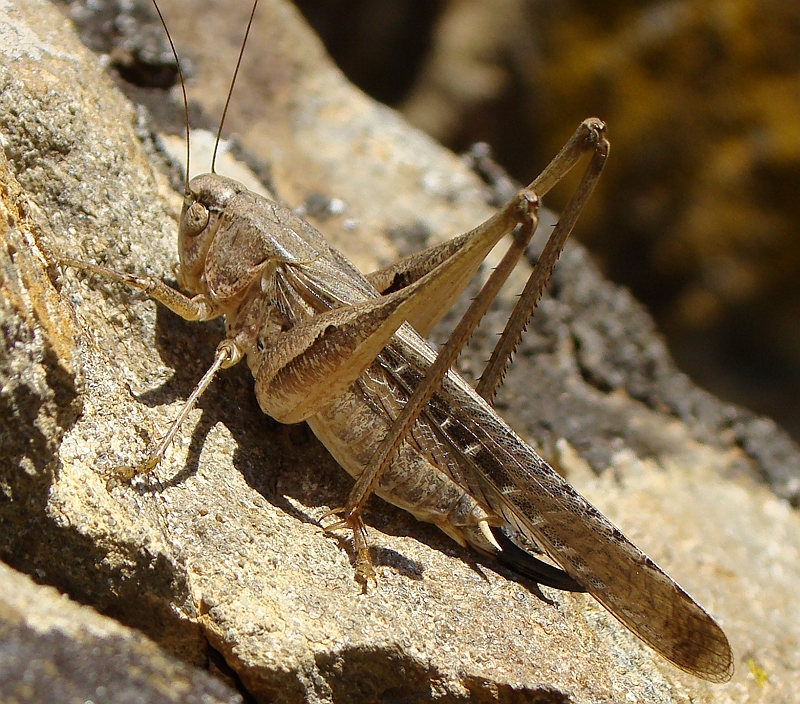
(221, 550)
(54, 650)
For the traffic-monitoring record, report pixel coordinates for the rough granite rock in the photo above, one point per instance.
(221, 548)
(44, 642)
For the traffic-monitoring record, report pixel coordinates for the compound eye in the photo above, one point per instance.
(195, 219)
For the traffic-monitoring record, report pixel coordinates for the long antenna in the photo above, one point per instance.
(183, 91)
(233, 83)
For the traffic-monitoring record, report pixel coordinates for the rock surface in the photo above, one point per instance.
(222, 546)
(45, 640)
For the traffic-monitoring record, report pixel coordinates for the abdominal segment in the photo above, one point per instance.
(352, 428)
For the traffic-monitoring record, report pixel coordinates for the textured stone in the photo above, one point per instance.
(53, 650)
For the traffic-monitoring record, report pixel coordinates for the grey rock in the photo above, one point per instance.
(54, 650)
(222, 545)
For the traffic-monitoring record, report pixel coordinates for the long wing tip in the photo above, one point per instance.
(719, 671)
(708, 655)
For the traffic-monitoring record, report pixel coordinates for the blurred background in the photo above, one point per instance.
(698, 211)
